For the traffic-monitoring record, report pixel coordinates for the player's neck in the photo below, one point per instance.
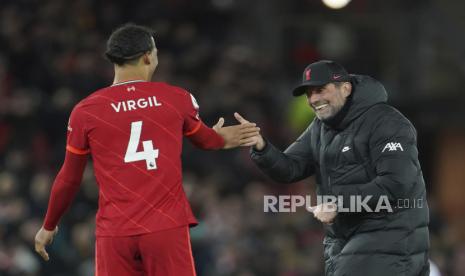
(130, 74)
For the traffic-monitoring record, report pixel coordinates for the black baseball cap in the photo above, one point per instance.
(320, 73)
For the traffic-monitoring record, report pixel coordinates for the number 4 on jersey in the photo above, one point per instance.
(149, 154)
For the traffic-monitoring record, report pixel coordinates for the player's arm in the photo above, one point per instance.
(68, 180)
(218, 137)
(64, 189)
(204, 137)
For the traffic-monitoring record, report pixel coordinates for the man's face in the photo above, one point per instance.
(329, 99)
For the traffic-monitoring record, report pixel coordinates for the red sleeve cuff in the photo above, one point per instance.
(76, 150)
(206, 138)
(193, 131)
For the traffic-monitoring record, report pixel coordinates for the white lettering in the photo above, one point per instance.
(284, 203)
(308, 204)
(269, 203)
(131, 105)
(330, 203)
(117, 107)
(140, 103)
(297, 201)
(340, 204)
(386, 206)
(155, 101)
(363, 203)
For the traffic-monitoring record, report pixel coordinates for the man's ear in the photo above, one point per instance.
(146, 58)
(346, 89)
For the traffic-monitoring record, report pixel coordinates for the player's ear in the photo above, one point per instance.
(146, 58)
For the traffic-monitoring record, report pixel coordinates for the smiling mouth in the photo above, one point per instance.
(320, 107)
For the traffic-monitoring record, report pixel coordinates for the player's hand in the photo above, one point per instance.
(237, 135)
(42, 239)
(325, 212)
(257, 141)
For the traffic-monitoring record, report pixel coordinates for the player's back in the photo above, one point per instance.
(134, 133)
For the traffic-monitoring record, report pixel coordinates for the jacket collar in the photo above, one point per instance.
(366, 92)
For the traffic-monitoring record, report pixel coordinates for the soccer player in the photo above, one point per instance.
(133, 130)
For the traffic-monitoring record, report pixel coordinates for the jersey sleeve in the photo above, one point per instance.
(65, 188)
(192, 122)
(77, 141)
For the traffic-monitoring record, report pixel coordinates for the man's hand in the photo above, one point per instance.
(257, 141)
(325, 212)
(43, 238)
(237, 135)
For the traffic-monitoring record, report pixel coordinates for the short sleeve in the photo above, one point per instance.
(77, 141)
(192, 120)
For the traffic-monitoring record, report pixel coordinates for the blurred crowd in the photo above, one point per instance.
(232, 57)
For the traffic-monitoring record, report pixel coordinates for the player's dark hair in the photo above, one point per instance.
(129, 42)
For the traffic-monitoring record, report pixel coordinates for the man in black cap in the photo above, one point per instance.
(361, 150)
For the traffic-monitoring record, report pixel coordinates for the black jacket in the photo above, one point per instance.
(370, 150)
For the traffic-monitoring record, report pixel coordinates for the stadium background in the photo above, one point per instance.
(233, 55)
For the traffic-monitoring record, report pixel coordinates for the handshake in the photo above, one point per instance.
(244, 134)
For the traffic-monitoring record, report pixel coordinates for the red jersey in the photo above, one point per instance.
(133, 131)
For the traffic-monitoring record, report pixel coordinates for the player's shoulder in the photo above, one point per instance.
(90, 99)
(176, 93)
(170, 88)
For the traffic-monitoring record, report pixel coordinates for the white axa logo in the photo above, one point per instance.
(393, 146)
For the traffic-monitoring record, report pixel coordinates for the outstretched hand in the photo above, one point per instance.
(237, 135)
(257, 140)
(43, 238)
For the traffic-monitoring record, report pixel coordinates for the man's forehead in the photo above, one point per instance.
(318, 87)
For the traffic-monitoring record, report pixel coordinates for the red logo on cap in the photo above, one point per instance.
(307, 74)
(336, 77)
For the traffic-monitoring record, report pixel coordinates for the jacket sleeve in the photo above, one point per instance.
(292, 165)
(394, 157)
